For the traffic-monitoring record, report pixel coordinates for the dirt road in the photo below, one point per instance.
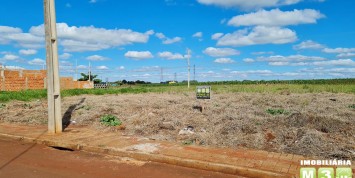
(31, 160)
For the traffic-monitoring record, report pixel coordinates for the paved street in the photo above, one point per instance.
(30, 160)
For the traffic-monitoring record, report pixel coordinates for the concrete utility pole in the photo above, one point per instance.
(188, 68)
(53, 85)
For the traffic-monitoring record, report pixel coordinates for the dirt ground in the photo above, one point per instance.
(319, 125)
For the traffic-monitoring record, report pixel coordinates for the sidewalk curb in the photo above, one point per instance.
(208, 166)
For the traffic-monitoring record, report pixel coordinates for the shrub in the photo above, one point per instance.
(110, 120)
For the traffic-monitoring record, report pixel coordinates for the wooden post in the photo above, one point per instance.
(53, 85)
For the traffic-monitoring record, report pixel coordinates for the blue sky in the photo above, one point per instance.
(145, 40)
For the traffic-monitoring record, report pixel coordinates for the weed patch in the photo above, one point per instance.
(352, 106)
(110, 120)
(277, 111)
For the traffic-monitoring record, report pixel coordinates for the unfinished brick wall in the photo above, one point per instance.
(15, 80)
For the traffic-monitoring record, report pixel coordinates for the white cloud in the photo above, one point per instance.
(120, 68)
(149, 32)
(248, 4)
(309, 44)
(220, 52)
(28, 52)
(65, 63)
(291, 58)
(82, 46)
(146, 69)
(325, 71)
(216, 36)
(172, 40)
(138, 55)
(65, 56)
(160, 35)
(346, 55)
(262, 52)
(275, 17)
(82, 67)
(90, 38)
(258, 35)
(102, 68)
(170, 56)
(167, 40)
(96, 58)
(12, 35)
(37, 61)
(10, 57)
(14, 67)
(248, 60)
(258, 72)
(339, 50)
(198, 35)
(340, 62)
(279, 63)
(224, 60)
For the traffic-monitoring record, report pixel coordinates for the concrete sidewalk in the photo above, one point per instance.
(243, 162)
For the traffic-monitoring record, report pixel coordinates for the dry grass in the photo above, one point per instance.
(320, 125)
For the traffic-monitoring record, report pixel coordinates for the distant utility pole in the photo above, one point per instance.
(194, 73)
(188, 68)
(161, 75)
(53, 85)
(175, 77)
(89, 71)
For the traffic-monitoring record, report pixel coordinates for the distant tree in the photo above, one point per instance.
(97, 81)
(131, 83)
(124, 81)
(85, 77)
(140, 82)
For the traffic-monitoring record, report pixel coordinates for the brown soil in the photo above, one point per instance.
(37, 161)
(318, 125)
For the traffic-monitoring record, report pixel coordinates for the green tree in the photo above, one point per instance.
(85, 77)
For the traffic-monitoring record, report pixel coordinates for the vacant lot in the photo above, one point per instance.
(320, 125)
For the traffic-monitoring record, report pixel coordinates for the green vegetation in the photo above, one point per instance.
(352, 106)
(25, 95)
(86, 77)
(110, 120)
(277, 87)
(277, 111)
